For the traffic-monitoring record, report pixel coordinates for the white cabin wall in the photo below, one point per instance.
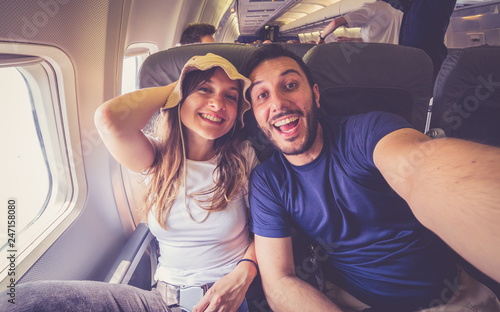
(155, 21)
(214, 10)
(230, 31)
(162, 21)
(90, 34)
(191, 12)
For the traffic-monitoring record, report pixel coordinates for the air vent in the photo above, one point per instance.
(257, 11)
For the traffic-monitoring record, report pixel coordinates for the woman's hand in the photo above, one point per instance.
(227, 294)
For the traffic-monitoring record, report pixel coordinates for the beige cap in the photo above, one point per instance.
(203, 63)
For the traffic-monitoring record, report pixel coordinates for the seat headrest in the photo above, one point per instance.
(467, 95)
(164, 67)
(357, 78)
(299, 49)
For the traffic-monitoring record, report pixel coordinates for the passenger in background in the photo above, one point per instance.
(379, 22)
(358, 186)
(198, 33)
(424, 26)
(196, 168)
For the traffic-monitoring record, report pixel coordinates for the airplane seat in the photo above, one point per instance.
(164, 67)
(132, 267)
(453, 50)
(467, 106)
(356, 78)
(466, 100)
(299, 49)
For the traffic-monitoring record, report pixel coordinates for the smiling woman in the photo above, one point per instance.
(197, 170)
(209, 111)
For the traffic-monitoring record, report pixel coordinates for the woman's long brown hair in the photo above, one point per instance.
(166, 173)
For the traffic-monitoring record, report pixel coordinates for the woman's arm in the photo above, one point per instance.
(227, 294)
(120, 121)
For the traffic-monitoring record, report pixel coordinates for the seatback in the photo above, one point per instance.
(467, 95)
(466, 104)
(299, 49)
(164, 67)
(356, 78)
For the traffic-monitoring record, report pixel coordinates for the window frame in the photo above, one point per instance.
(141, 50)
(53, 87)
(128, 187)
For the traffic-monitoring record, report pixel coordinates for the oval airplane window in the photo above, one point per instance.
(133, 58)
(43, 184)
(27, 175)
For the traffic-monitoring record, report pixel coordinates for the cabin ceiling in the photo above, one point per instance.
(253, 15)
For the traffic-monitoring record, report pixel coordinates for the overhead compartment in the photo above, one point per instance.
(315, 20)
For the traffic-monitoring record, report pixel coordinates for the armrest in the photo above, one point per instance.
(131, 254)
(436, 133)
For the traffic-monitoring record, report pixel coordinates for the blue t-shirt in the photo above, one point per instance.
(379, 251)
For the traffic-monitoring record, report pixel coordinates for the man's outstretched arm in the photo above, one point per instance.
(452, 187)
(284, 290)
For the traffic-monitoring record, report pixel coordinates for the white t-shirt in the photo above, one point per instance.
(197, 253)
(379, 22)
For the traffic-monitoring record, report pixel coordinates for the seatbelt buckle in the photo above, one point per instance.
(191, 295)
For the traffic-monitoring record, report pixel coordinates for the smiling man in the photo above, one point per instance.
(293, 130)
(340, 180)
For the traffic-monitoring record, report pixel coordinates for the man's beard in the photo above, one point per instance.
(310, 135)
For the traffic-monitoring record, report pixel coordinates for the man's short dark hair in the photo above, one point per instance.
(194, 32)
(272, 51)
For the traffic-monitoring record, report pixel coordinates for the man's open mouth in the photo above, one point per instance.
(287, 125)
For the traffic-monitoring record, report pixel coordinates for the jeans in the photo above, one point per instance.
(84, 296)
